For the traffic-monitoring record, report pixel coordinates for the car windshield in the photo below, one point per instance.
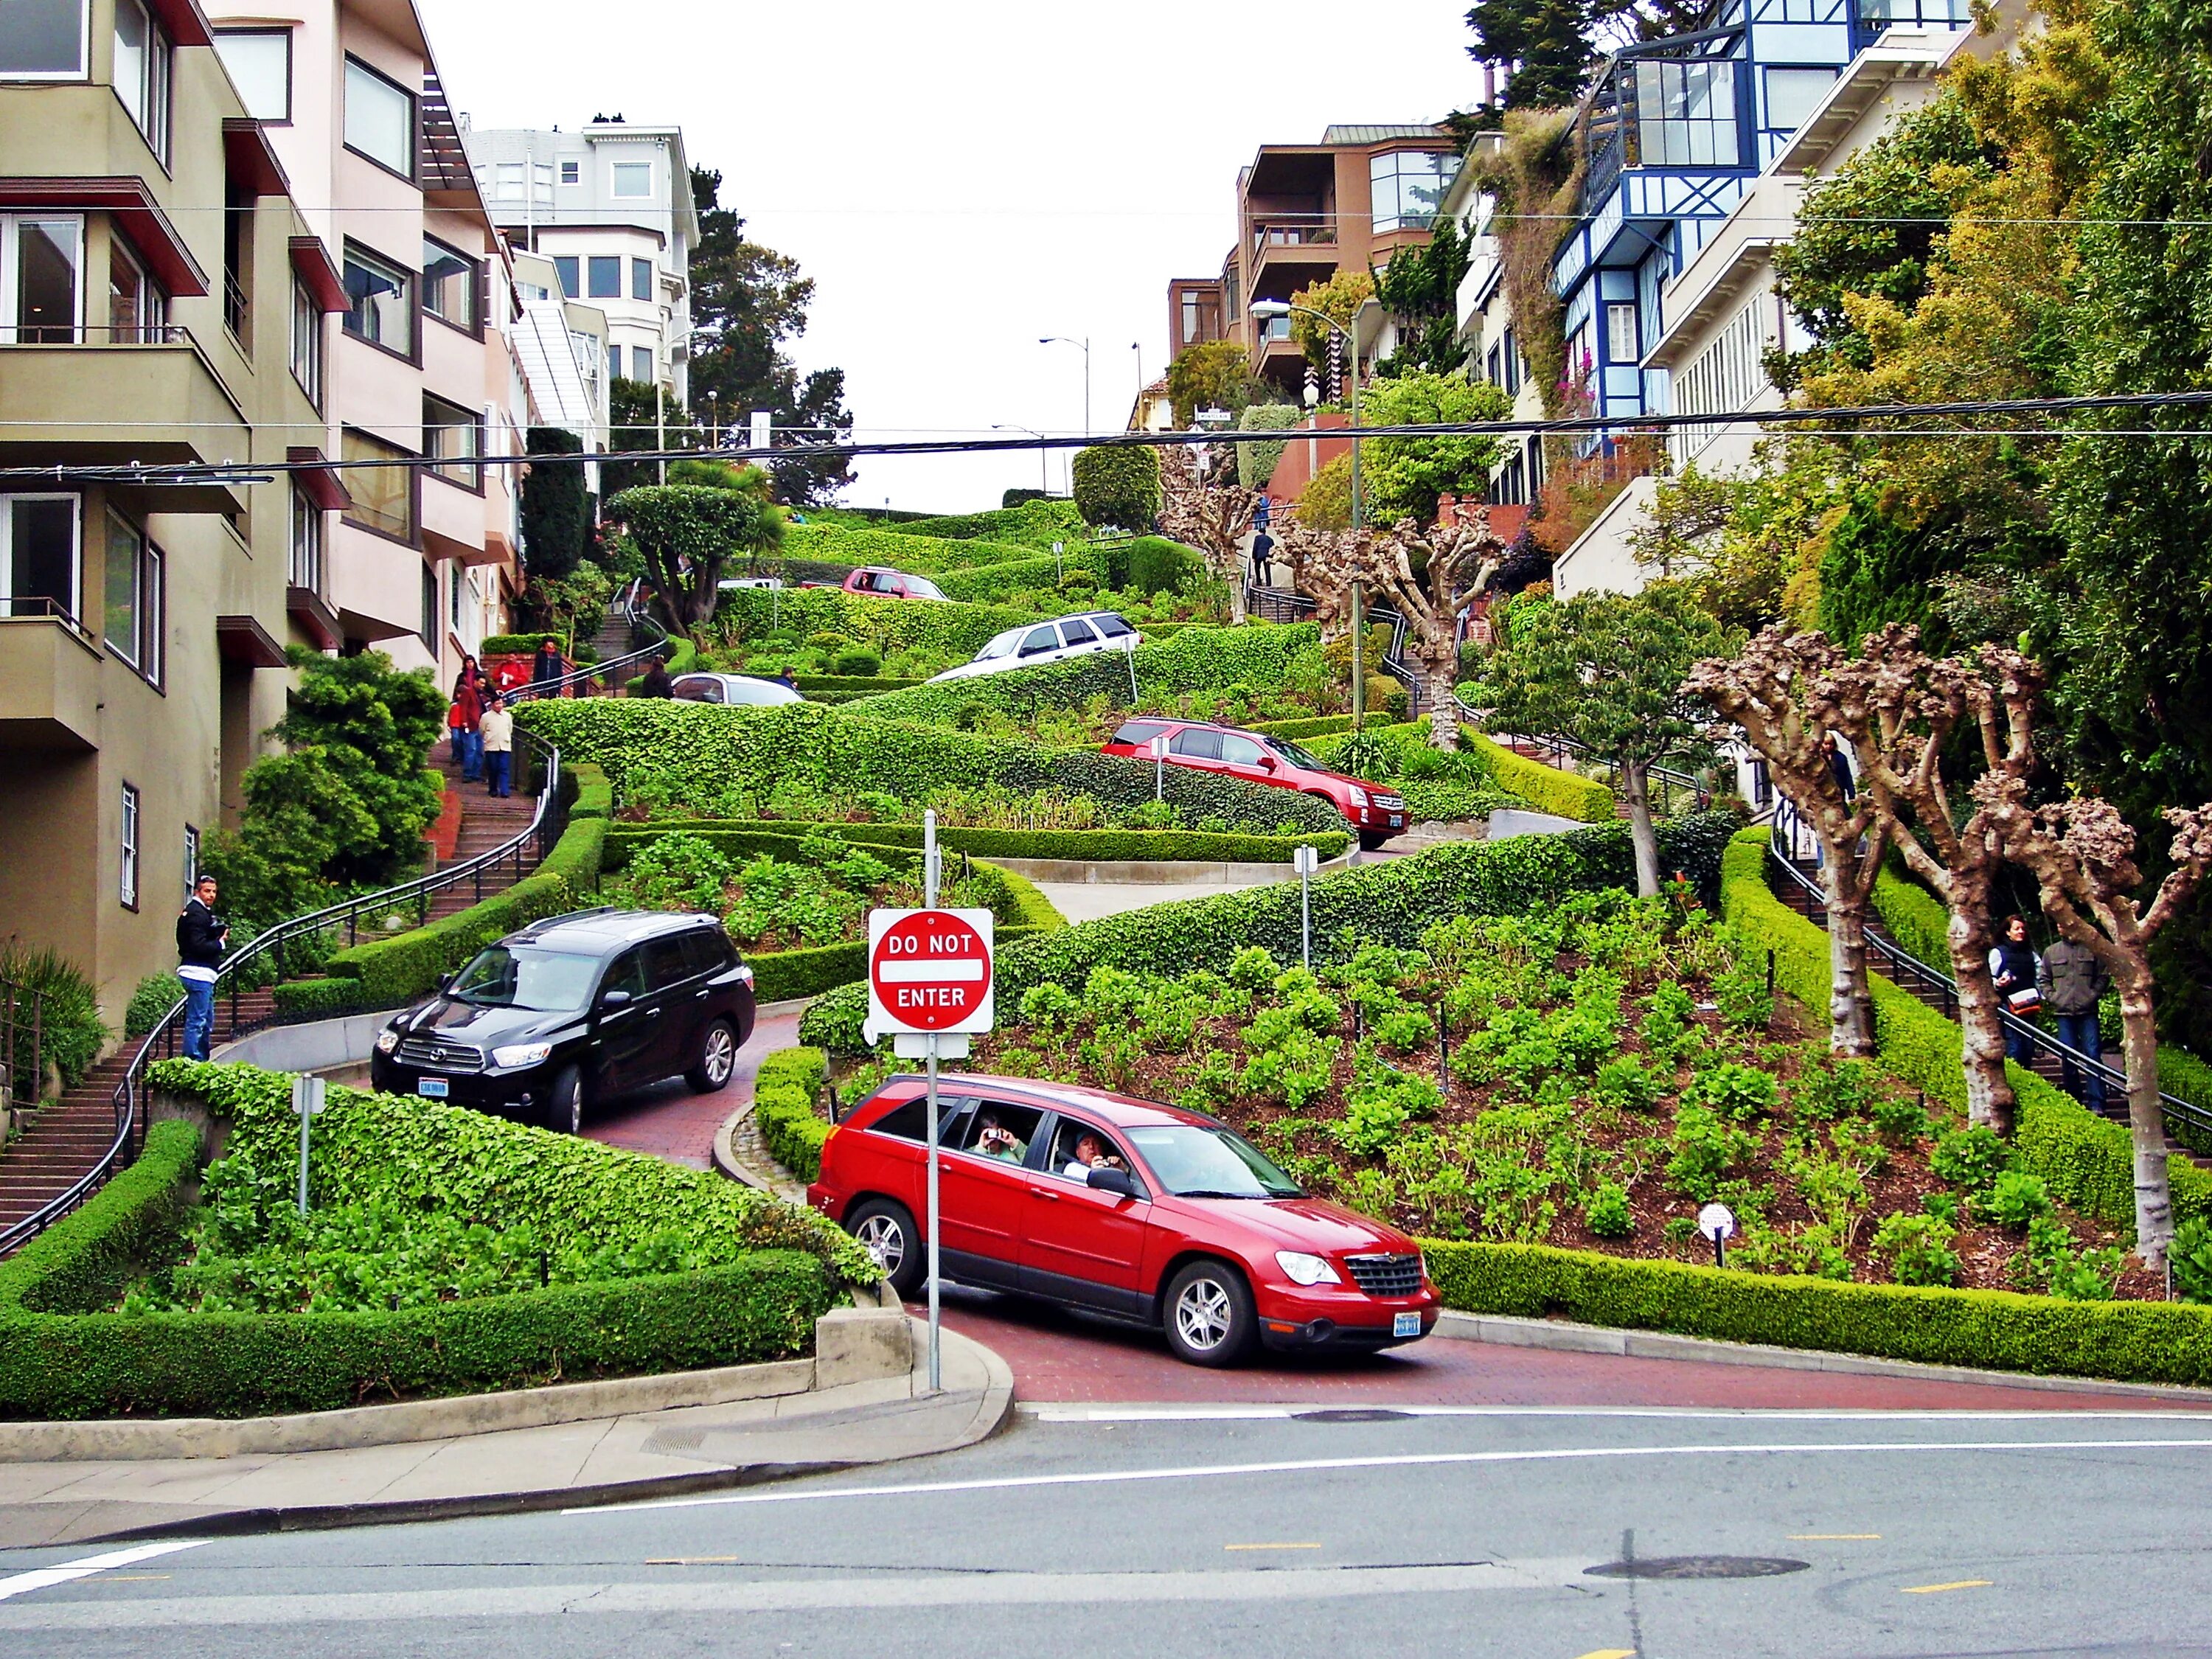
(1196, 1162)
(1297, 757)
(920, 588)
(1001, 647)
(549, 981)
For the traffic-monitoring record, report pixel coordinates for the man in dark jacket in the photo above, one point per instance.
(2072, 982)
(545, 667)
(203, 939)
(658, 683)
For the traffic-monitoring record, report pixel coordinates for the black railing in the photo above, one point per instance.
(1928, 981)
(23, 1041)
(269, 953)
(1565, 750)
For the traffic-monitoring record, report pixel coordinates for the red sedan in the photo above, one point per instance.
(1144, 1212)
(1374, 812)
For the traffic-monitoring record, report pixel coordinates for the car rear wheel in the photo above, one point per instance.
(718, 1058)
(1208, 1315)
(885, 1228)
(564, 1103)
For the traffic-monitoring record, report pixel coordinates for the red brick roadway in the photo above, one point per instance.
(670, 1122)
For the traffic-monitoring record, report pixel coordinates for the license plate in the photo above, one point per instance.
(1397, 820)
(1406, 1324)
(431, 1088)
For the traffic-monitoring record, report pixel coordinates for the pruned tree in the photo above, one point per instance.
(2081, 853)
(687, 534)
(1324, 563)
(1427, 574)
(1765, 691)
(1213, 517)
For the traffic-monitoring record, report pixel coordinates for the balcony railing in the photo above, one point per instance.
(233, 307)
(1300, 230)
(38, 607)
(118, 334)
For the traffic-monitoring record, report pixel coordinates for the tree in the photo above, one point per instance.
(1402, 478)
(1324, 562)
(1256, 463)
(556, 520)
(1339, 298)
(1326, 501)
(1427, 574)
(1552, 45)
(1766, 692)
(687, 534)
(1117, 485)
(1419, 288)
(1211, 375)
(1214, 519)
(1607, 670)
(640, 417)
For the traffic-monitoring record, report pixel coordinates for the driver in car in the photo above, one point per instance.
(1090, 1154)
(995, 1139)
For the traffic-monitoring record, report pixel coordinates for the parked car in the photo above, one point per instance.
(1374, 812)
(1080, 635)
(573, 1009)
(891, 584)
(732, 689)
(1144, 1212)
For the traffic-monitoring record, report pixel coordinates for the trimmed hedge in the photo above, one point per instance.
(789, 1084)
(1316, 726)
(1033, 523)
(1546, 789)
(1091, 846)
(88, 1258)
(950, 628)
(2000, 1330)
(995, 584)
(816, 685)
(1158, 565)
(2085, 1161)
(1389, 904)
(900, 548)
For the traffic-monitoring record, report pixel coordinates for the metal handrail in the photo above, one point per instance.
(1908, 971)
(1565, 747)
(130, 1127)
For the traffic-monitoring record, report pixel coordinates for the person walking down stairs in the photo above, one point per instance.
(496, 731)
(203, 937)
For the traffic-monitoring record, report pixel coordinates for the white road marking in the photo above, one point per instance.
(1410, 1460)
(1047, 1412)
(45, 1577)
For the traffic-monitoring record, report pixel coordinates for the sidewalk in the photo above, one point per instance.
(595, 1461)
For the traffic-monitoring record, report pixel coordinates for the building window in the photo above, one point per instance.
(382, 311)
(1515, 366)
(137, 310)
(1686, 114)
(126, 884)
(379, 118)
(541, 183)
(508, 179)
(1494, 366)
(605, 272)
(261, 65)
(641, 279)
(383, 496)
(192, 858)
(39, 259)
(44, 40)
(39, 564)
(633, 180)
(454, 594)
(430, 608)
(306, 567)
(614, 362)
(132, 590)
(449, 284)
(1727, 376)
(454, 437)
(570, 267)
(1792, 94)
(572, 173)
(1189, 318)
(142, 72)
(307, 342)
(1621, 334)
(640, 361)
(1407, 188)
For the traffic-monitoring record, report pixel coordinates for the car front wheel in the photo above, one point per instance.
(1208, 1315)
(885, 1230)
(564, 1103)
(718, 1058)
(1374, 841)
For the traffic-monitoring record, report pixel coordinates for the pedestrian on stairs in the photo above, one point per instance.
(2073, 982)
(202, 938)
(546, 666)
(495, 731)
(462, 718)
(2016, 969)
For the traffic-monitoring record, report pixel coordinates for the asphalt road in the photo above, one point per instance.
(1103, 1530)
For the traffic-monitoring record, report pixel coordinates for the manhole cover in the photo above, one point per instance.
(1699, 1567)
(1354, 1414)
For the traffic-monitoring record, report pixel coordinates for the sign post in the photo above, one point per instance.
(1305, 861)
(1717, 1223)
(309, 1095)
(929, 985)
(1160, 766)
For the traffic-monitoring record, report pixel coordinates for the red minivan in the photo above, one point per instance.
(885, 583)
(1374, 812)
(1141, 1212)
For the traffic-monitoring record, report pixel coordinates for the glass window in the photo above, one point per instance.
(43, 38)
(571, 286)
(39, 555)
(383, 496)
(640, 364)
(627, 974)
(455, 437)
(136, 309)
(641, 279)
(261, 65)
(999, 645)
(1193, 1161)
(47, 253)
(1039, 639)
(1621, 333)
(507, 179)
(379, 118)
(1686, 112)
(1240, 751)
(307, 342)
(142, 71)
(909, 1120)
(132, 621)
(1407, 189)
(614, 362)
(1196, 745)
(708, 951)
(996, 1130)
(606, 277)
(428, 631)
(553, 981)
(191, 858)
(383, 309)
(572, 173)
(449, 284)
(127, 864)
(1137, 731)
(1792, 94)
(666, 963)
(1076, 631)
(541, 183)
(306, 562)
(1112, 626)
(1079, 1147)
(633, 179)
(1189, 318)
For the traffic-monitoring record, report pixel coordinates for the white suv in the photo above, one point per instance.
(1080, 635)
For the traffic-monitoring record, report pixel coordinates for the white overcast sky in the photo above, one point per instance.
(961, 178)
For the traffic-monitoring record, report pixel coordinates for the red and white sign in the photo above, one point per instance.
(929, 971)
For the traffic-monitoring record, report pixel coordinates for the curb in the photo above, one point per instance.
(1563, 1336)
(1147, 872)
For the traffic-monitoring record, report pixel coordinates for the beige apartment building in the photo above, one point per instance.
(163, 302)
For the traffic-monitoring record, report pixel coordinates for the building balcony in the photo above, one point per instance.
(1303, 246)
(49, 678)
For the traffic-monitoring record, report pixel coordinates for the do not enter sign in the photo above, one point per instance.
(929, 971)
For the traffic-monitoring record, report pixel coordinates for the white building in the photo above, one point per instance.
(1486, 328)
(610, 205)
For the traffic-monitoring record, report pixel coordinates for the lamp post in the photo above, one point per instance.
(1062, 339)
(1138, 346)
(713, 420)
(1265, 310)
(998, 426)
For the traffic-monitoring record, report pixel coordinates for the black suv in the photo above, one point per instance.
(572, 1010)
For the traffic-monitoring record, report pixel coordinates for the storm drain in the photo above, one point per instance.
(1699, 1567)
(1355, 1414)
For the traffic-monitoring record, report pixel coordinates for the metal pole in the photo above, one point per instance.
(1358, 647)
(1305, 920)
(929, 898)
(661, 431)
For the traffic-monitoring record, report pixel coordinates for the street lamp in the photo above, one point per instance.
(713, 420)
(1062, 339)
(1016, 427)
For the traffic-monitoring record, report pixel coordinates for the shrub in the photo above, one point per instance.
(1627, 1084)
(72, 1032)
(2191, 1256)
(1158, 565)
(1705, 1150)
(860, 660)
(1566, 794)
(1972, 1157)
(156, 994)
(1607, 1212)
(1117, 485)
(1918, 1247)
(789, 1083)
(1835, 1088)
(1900, 1119)
(1733, 1092)
(2015, 1199)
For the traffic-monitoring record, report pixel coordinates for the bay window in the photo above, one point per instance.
(306, 569)
(133, 596)
(261, 65)
(307, 342)
(379, 118)
(1407, 188)
(39, 554)
(453, 436)
(40, 259)
(449, 284)
(137, 310)
(44, 40)
(384, 498)
(382, 309)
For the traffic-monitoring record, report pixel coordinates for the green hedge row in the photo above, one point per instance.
(1156, 565)
(1998, 1330)
(811, 685)
(1090, 845)
(900, 550)
(789, 1084)
(1387, 903)
(952, 630)
(1032, 524)
(89, 1258)
(1546, 789)
(2087, 1161)
(998, 584)
(1316, 726)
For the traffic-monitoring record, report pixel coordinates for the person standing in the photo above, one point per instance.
(203, 940)
(2015, 967)
(545, 666)
(1263, 551)
(2073, 982)
(657, 681)
(461, 720)
(496, 732)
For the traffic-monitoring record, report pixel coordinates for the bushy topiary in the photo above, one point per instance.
(1118, 485)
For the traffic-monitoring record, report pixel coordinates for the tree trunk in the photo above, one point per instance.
(2146, 1123)
(1851, 1003)
(1239, 609)
(1989, 1091)
(1439, 681)
(1646, 839)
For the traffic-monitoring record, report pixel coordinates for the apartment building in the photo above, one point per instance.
(611, 205)
(423, 563)
(163, 302)
(562, 345)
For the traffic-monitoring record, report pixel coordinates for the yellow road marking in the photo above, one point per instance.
(1271, 1546)
(1931, 1590)
(1830, 1537)
(1610, 1653)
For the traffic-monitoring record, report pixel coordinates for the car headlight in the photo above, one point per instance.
(1303, 1269)
(388, 1040)
(521, 1053)
(1359, 798)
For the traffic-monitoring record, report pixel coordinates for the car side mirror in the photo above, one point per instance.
(1109, 1180)
(445, 982)
(613, 1000)
(1266, 762)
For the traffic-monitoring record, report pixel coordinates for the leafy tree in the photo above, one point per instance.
(640, 423)
(1402, 478)
(1420, 288)
(557, 514)
(1117, 485)
(687, 534)
(1552, 45)
(1340, 298)
(1211, 375)
(1607, 670)
(1256, 463)
(1326, 502)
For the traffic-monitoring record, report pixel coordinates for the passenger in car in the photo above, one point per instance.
(1090, 1154)
(995, 1139)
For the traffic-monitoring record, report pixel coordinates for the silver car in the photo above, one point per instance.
(1084, 635)
(734, 690)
